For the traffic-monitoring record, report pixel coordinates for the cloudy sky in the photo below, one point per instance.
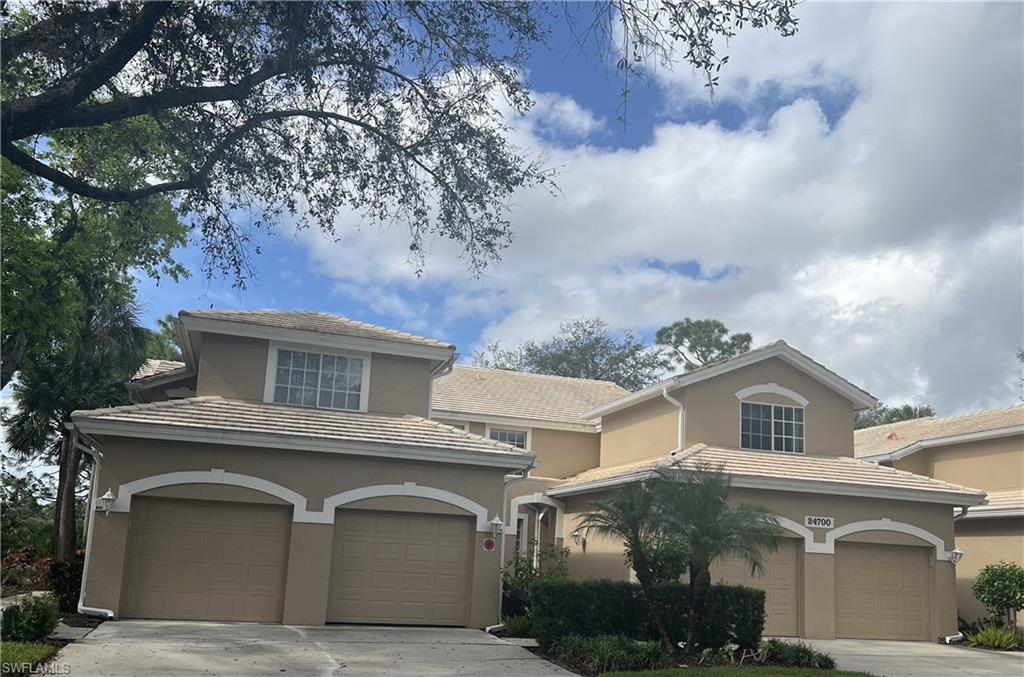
(855, 190)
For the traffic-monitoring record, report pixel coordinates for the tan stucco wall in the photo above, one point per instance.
(562, 453)
(232, 366)
(603, 558)
(984, 541)
(314, 475)
(992, 465)
(642, 431)
(713, 412)
(236, 367)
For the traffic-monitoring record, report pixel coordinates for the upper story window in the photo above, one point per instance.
(517, 438)
(771, 427)
(318, 380)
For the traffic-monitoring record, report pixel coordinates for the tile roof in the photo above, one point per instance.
(322, 323)
(884, 439)
(154, 367)
(760, 465)
(500, 392)
(1002, 500)
(217, 414)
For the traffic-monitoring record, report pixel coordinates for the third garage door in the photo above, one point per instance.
(779, 583)
(881, 592)
(406, 568)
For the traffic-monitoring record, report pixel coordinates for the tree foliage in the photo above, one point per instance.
(254, 113)
(1000, 587)
(882, 414)
(696, 343)
(584, 347)
(162, 343)
(26, 502)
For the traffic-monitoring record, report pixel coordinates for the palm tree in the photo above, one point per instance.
(631, 512)
(694, 509)
(86, 372)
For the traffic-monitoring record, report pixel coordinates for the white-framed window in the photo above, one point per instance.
(772, 427)
(517, 438)
(316, 378)
(520, 544)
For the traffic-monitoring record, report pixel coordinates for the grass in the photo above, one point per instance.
(758, 671)
(22, 653)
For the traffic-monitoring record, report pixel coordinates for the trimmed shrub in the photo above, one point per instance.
(517, 626)
(602, 607)
(796, 655)
(1000, 587)
(31, 619)
(66, 580)
(605, 653)
(519, 575)
(997, 637)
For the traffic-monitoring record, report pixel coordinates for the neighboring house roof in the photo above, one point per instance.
(212, 419)
(780, 349)
(834, 475)
(154, 367)
(313, 321)
(500, 393)
(1009, 503)
(893, 441)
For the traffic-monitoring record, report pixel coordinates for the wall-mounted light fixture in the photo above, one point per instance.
(107, 502)
(579, 539)
(497, 526)
(955, 555)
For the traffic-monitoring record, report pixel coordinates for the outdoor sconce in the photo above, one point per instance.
(955, 555)
(497, 526)
(579, 539)
(107, 502)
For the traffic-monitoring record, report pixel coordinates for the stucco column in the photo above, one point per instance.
(944, 599)
(483, 609)
(106, 553)
(309, 574)
(819, 596)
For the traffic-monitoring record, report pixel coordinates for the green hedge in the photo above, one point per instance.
(31, 619)
(603, 607)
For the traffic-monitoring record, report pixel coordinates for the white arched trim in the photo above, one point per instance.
(800, 530)
(774, 389)
(888, 525)
(407, 489)
(542, 499)
(123, 502)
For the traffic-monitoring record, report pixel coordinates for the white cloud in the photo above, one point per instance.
(888, 246)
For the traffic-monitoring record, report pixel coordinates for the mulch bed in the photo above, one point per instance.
(80, 621)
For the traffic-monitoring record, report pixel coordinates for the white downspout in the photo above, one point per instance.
(681, 428)
(501, 545)
(97, 457)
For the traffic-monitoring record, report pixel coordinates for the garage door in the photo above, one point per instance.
(206, 560)
(395, 567)
(779, 583)
(881, 591)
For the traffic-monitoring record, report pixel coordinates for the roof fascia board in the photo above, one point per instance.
(784, 352)
(514, 421)
(207, 436)
(313, 338)
(962, 438)
(796, 486)
(994, 513)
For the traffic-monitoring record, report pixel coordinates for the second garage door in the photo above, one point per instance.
(881, 592)
(779, 583)
(206, 560)
(404, 568)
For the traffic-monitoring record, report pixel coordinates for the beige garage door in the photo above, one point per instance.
(206, 560)
(395, 567)
(881, 591)
(779, 583)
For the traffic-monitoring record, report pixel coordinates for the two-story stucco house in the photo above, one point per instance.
(983, 449)
(304, 468)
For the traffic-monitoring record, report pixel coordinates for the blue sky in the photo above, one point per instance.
(856, 191)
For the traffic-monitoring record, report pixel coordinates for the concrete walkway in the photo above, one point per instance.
(920, 659)
(129, 648)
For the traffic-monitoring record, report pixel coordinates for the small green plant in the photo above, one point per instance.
(517, 626)
(520, 574)
(605, 653)
(1000, 587)
(795, 655)
(31, 619)
(997, 637)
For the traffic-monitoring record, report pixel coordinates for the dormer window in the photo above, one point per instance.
(325, 380)
(771, 427)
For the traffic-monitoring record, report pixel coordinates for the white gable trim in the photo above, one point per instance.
(774, 389)
(992, 434)
(331, 503)
(123, 502)
(862, 399)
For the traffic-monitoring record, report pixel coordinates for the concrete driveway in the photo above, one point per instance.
(129, 648)
(919, 659)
